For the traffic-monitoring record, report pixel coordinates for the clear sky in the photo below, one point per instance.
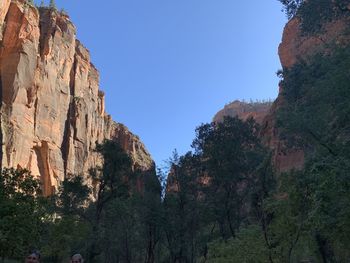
(167, 66)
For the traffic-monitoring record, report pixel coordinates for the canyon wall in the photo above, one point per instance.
(298, 47)
(52, 111)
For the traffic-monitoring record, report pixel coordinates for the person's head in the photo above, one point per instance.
(77, 258)
(33, 257)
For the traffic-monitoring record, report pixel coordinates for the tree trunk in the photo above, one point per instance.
(325, 249)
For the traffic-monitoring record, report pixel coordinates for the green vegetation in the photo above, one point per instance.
(315, 13)
(290, 7)
(126, 224)
(20, 212)
(214, 193)
(222, 202)
(318, 111)
(99, 220)
(52, 5)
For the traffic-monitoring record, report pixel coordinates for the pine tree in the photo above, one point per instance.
(42, 4)
(52, 4)
(290, 7)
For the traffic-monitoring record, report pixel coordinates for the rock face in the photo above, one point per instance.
(243, 110)
(284, 158)
(297, 47)
(4, 6)
(52, 111)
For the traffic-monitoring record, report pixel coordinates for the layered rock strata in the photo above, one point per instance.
(52, 111)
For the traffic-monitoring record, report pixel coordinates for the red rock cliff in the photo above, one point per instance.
(243, 110)
(294, 48)
(52, 110)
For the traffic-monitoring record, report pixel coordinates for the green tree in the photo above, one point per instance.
(114, 218)
(111, 181)
(249, 247)
(231, 151)
(131, 225)
(314, 14)
(183, 211)
(20, 212)
(316, 119)
(52, 4)
(262, 189)
(67, 226)
(290, 7)
(151, 215)
(73, 196)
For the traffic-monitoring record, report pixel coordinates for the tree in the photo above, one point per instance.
(230, 153)
(150, 212)
(249, 247)
(291, 7)
(109, 218)
(131, 225)
(183, 211)
(262, 189)
(111, 181)
(73, 196)
(52, 4)
(315, 118)
(20, 212)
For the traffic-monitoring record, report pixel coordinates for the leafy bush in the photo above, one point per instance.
(247, 247)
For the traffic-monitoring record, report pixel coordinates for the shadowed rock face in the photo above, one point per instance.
(52, 111)
(297, 47)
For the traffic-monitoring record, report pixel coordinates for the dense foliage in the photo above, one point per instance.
(315, 13)
(217, 188)
(212, 189)
(107, 220)
(316, 118)
(20, 212)
(223, 202)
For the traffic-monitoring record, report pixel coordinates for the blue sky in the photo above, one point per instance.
(167, 66)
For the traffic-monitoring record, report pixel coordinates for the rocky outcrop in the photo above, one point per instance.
(243, 110)
(52, 111)
(284, 158)
(4, 6)
(297, 47)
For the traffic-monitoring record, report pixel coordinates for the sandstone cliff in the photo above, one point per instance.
(296, 47)
(299, 47)
(243, 110)
(52, 111)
